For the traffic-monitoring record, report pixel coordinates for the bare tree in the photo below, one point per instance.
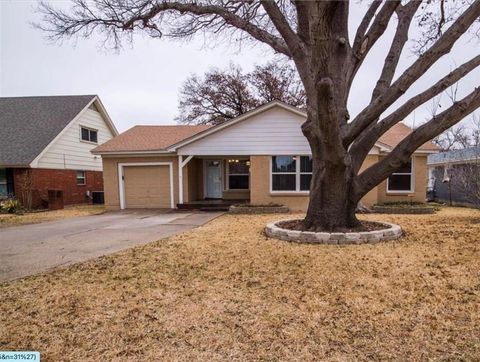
(26, 187)
(475, 137)
(314, 34)
(276, 81)
(221, 95)
(464, 181)
(460, 136)
(218, 97)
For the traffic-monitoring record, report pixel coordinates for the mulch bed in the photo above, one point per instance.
(365, 226)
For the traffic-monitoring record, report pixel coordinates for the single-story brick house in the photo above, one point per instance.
(261, 156)
(45, 144)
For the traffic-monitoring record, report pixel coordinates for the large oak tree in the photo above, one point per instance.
(314, 34)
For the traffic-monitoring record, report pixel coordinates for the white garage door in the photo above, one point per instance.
(147, 187)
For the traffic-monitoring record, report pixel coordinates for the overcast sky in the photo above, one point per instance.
(140, 84)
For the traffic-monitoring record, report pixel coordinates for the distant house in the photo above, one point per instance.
(45, 144)
(261, 156)
(454, 177)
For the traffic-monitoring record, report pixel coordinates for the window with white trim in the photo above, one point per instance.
(88, 134)
(238, 174)
(81, 177)
(291, 173)
(402, 179)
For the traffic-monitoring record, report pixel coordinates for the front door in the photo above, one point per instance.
(213, 179)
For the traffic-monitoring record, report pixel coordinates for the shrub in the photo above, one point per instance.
(10, 206)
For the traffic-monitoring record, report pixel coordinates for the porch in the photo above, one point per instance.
(213, 182)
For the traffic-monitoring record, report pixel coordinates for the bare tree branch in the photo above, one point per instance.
(367, 139)
(443, 45)
(294, 43)
(363, 45)
(364, 24)
(378, 172)
(405, 15)
(149, 15)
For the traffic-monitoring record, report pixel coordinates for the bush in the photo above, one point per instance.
(10, 206)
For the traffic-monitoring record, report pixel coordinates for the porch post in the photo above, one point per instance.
(181, 164)
(180, 180)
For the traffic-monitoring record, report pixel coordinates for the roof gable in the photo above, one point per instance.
(30, 124)
(386, 142)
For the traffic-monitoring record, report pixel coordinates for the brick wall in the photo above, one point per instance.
(46, 179)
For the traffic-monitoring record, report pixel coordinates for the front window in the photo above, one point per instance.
(291, 173)
(401, 180)
(81, 177)
(238, 174)
(89, 135)
(3, 182)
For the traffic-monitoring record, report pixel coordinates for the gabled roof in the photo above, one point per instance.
(389, 140)
(168, 139)
(398, 132)
(148, 139)
(29, 124)
(455, 156)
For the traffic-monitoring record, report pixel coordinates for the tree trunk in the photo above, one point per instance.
(332, 204)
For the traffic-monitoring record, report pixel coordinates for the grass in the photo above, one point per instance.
(7, 220)
(226, 292)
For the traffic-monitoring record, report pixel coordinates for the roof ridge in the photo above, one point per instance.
(172, 125)
(52, 96)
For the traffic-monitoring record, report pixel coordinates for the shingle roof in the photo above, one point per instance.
(160, 138)
(398, 132)
(467, 154)
(29, 124)
(149, 138)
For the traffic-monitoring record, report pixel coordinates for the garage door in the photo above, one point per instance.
(147, 187)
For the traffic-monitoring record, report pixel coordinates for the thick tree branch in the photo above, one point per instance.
(375, 174)
(362, 145)
(294, 43)
(362, 46)
(441, 47)
(150, 16)
(364, 24)
(405, 16)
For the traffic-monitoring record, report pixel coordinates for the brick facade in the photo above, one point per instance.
(43, 180)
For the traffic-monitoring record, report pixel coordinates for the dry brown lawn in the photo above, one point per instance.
(7, 220)
(226, 292)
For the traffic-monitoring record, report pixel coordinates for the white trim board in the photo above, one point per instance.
(121, 180)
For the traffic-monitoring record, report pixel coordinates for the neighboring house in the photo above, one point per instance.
(45, 144)
(454, 177)
(261, 156)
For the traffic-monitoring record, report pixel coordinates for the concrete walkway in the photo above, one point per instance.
(30, 249)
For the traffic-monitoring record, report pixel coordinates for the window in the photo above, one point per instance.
(401, 180)
(291, 173)
(89, 135)
(81, 177)
(3, 182)
(238, 174)
(305, 172)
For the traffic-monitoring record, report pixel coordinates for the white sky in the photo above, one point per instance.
(140, 84)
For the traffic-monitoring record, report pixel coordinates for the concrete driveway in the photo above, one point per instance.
(30, 249)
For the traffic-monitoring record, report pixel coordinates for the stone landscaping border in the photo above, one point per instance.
(244, 209)
(391, 232)
(403, 210)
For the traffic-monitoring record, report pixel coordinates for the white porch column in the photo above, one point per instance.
(180, 180)
(181, 164)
